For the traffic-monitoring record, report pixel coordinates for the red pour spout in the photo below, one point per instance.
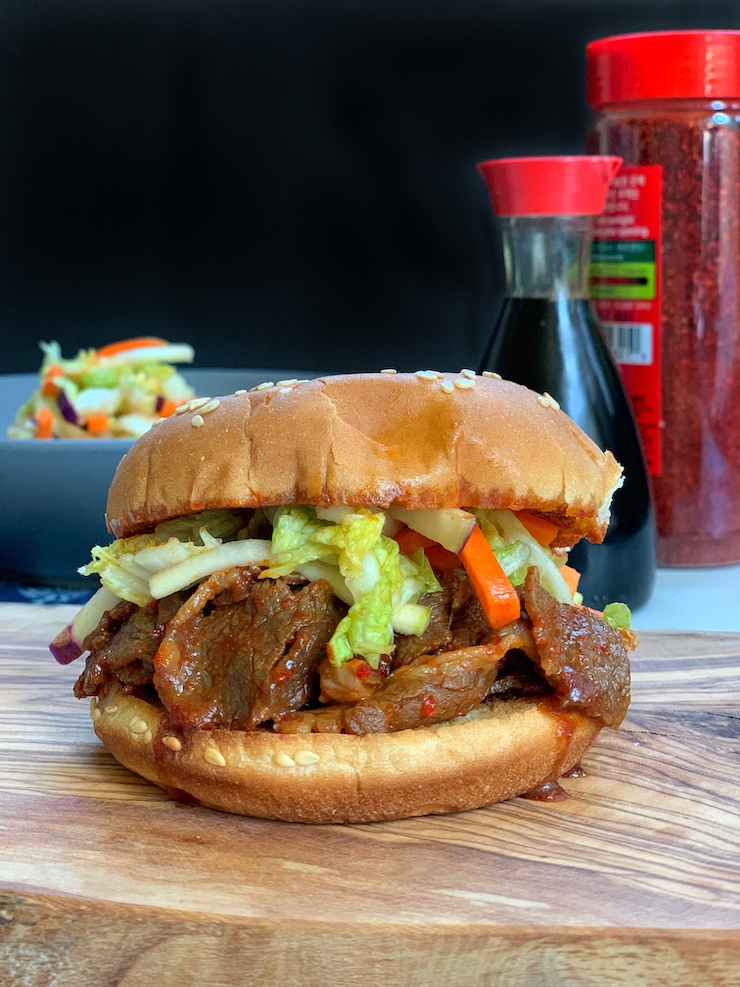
(566, 185)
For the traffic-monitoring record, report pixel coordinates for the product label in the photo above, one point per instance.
(625, 286)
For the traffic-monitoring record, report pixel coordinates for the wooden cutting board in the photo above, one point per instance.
(635, 880)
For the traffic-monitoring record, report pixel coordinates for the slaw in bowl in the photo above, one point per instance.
(114, 392)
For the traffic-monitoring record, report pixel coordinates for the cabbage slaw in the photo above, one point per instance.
(117, 391)
(348, 547)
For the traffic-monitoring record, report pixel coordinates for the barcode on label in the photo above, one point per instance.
(630, 342)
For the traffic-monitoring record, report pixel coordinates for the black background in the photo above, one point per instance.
(279, 183)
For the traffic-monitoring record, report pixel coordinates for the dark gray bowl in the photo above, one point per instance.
(53, 494)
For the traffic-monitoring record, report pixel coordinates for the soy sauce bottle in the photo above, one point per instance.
(548, 338)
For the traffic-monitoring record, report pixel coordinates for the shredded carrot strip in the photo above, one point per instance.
(44, 423)
(167, 409)
(439, 558)
(571, 577)
(540, 528)
(408, 540)
(48, 387)
(97, 423)
(130, 344)
(492, 586)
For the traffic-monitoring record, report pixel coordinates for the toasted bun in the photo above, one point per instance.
(501, 750)
(368, 439)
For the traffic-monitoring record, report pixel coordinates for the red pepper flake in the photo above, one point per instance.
(360, 668)
(428, 706)
(696, 142)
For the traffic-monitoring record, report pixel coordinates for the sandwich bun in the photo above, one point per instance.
(413, 440)
(500, 750)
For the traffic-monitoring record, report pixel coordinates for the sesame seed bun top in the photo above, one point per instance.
(415, 440)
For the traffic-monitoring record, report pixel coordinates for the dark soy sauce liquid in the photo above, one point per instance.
(557, 346)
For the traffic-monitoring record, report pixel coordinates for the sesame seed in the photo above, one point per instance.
(147, 737)
(389, 370)
(215, 757)
(157, 421)
(190, 405)
(138, 726)
(173, 743)
(286, 383)
(470, 374)
(547, 401)
(210, 406)
(263, 387)
(284, 760)
(196, 421)
(95, 711)
(240, 392)
(111, 709)
(447, 386)
(491, 373)
(306, 757)
(426, 374)
(285, 390)
(464, 383)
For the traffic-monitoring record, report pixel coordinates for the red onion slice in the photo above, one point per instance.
(68, 644)
(67, 409)
(64, 647)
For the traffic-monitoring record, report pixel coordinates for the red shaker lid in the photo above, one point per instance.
(574, 185)
(663, 65)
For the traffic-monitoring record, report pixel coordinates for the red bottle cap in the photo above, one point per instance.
(573, 185)
(663, 65)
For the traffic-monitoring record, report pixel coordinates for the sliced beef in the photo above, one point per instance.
(581, 656)
(468, 623)
(349, 682)
(429, 689)
(457, 621)
(239, 653)
(519, 677)
(122, 645)
(436, 635)
(287, 686)
(229, 586)
(110, 624)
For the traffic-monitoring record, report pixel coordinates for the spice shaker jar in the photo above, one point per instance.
(665, 272)
(548, 338)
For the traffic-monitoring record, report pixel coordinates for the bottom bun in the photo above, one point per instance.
(502, 749)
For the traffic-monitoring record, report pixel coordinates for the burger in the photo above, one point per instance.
(348, 599)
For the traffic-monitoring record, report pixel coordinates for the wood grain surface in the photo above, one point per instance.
(635, 880)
